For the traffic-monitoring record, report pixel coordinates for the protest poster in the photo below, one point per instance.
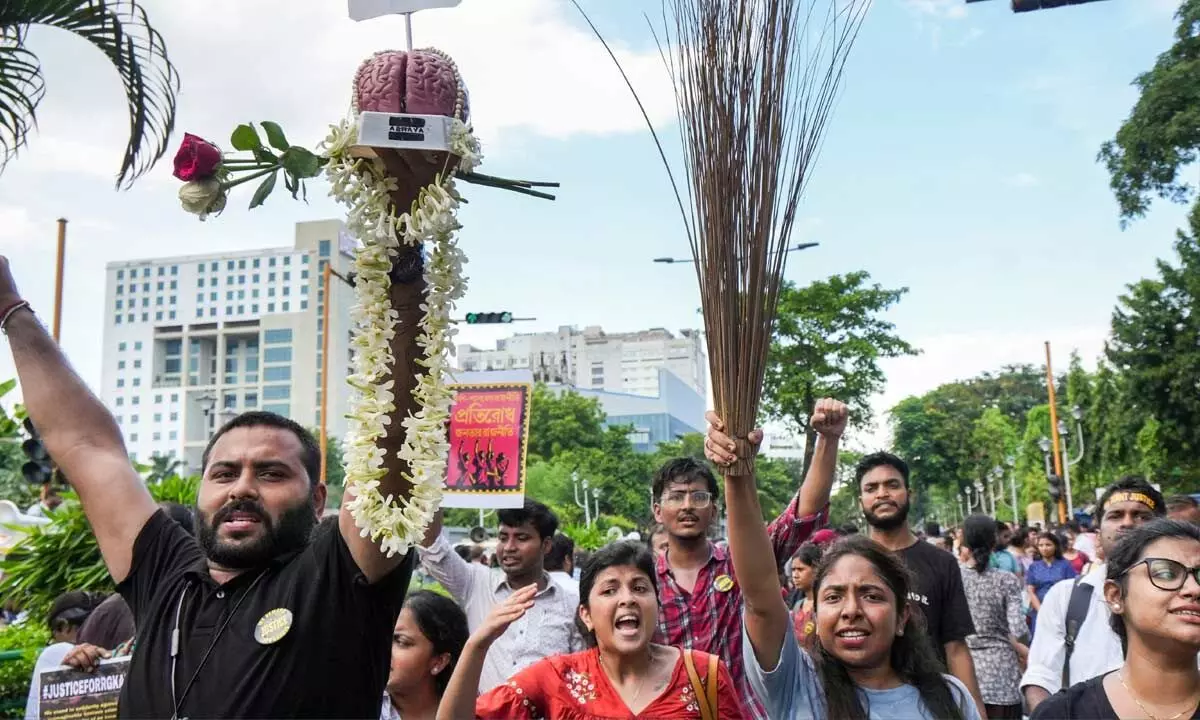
(70, 694)
(489, 435)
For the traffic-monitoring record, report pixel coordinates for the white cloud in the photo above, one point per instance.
(16, 226)
(959, 356)
(946, 9)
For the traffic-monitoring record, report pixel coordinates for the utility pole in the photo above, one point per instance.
(1056, 447)
(56, 323)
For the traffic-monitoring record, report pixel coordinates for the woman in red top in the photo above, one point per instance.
(623, 674)
(1077, 558)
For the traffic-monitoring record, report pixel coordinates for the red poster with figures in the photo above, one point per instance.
(489, 435)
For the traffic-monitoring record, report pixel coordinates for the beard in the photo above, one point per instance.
(292, 533)
(891, 522)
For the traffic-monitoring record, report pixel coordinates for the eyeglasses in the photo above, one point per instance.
(700, 498)
(1167, 574)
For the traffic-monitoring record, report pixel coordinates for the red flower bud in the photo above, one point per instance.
(197, 159)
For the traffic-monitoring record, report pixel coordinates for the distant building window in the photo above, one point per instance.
(120, 289)
(137, 382)
(158, 286)
(287, 259)
(241, 264)
(282, 373)
(304, 304)
(199, 282)
(156, 437)
(213, 268)
(251, 401)
(137, 346)
(323, 248)
(174, 435)
(279, 409)
(162, 271)
(120, 382)
(133, 419)
(229, 265)
(277, 355)
(120, 401)
(277, 336)
(270, 307)
(304, 259)
(174, 416)
(121, 347)
(158, 398)
(120, 274)
(157, 417)
(174, 269)
(277, 392)
(200, 267)
(256, 261)
(285, 305)
(132, 438)
(137, 364)
(119, 304)
(120, 364)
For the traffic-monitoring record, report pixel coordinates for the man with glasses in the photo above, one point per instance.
(699, 593)
(1073, 640)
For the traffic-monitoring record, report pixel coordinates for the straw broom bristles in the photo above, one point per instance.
(755, 81)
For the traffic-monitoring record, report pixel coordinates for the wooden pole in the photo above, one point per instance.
(1058, 467)
(325, 283)
(56, 324)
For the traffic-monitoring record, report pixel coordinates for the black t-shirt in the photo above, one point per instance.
(1082, 701)
(939, 594)
(331, 661)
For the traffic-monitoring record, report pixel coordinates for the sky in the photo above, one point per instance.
(960, 163)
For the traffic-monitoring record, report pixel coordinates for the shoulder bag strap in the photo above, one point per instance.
(1077, 609)
(711, 681)
(689, 662)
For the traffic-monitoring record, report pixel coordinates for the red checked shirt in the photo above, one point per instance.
(709, 618)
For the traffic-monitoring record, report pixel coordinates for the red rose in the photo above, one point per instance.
(197, 159)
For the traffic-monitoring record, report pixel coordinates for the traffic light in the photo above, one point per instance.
(489, 318)
(1029, 5)
(38, 470)
(1056, 487)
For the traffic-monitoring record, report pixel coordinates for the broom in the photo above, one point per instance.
(755, 82)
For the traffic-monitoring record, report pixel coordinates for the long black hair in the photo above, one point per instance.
(912, 655)
(444, 625)
(979, 535)
(626, 553)
(1129, 551)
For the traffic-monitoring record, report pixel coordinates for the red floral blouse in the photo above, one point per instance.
(574, 687)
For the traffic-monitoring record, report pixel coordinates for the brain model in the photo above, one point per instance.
(417, 82)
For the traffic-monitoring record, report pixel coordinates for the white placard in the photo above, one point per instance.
(367, 9)
(404, 132)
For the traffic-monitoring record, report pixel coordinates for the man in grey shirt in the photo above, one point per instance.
(548, 628)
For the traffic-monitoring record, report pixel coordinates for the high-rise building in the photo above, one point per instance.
(592, 359)
(190, 341)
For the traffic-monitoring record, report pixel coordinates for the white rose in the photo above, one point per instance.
(202, 197)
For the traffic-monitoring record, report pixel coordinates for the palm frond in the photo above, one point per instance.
(21, 89)
(121, 30)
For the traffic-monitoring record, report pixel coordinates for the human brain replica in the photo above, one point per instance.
(416, 82)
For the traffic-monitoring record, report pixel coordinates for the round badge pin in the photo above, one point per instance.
(724, 583)
(273, 626)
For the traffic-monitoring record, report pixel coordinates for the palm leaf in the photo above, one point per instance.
(121, 30)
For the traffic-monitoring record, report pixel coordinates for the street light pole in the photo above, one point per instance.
(586, 502)
(1011, 462)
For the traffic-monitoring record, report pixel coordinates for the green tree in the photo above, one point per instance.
(121, 30)
(828, 340)
(994, 440)
(52, 559)
(335, 471)
(561, 421)
(1155, 345)
(1161, 136)
(162, 467)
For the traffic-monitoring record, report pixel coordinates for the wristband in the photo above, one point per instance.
(8, 313)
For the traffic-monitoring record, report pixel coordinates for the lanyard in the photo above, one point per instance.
(177, 643)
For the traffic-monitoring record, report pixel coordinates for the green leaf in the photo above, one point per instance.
(245, 137)
(301, 162)
(292, 183)
(275, 135)
(264, 155)
(260, 195)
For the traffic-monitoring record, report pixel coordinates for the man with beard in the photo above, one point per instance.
(698, 590)
(249, 619)
(1096, 649)
(885, 498)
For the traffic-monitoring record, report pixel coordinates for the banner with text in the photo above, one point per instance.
(489, 436)
(70, 694)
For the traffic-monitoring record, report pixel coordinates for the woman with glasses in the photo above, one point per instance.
(1153, 591)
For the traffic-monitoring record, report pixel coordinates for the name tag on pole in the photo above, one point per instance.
(367, 9)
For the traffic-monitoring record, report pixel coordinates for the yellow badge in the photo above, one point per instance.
(273, 626)
(809, 627)
(724, 583)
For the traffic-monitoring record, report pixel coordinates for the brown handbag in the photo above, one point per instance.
(705, 690)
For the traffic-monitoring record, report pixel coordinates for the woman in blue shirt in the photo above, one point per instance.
(1047, 570)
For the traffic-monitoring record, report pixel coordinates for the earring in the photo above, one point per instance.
(1116, 607)
(900, 632)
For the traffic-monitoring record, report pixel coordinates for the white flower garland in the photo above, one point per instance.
(364, 188)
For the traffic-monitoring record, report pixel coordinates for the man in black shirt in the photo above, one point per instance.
(249, 618)
(885, 496)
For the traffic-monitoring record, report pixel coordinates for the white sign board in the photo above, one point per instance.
(404, 132)
(367, 9)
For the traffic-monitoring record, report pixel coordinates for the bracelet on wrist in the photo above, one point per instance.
(11, 310)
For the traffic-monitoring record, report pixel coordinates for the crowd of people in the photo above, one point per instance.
(250, 605)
